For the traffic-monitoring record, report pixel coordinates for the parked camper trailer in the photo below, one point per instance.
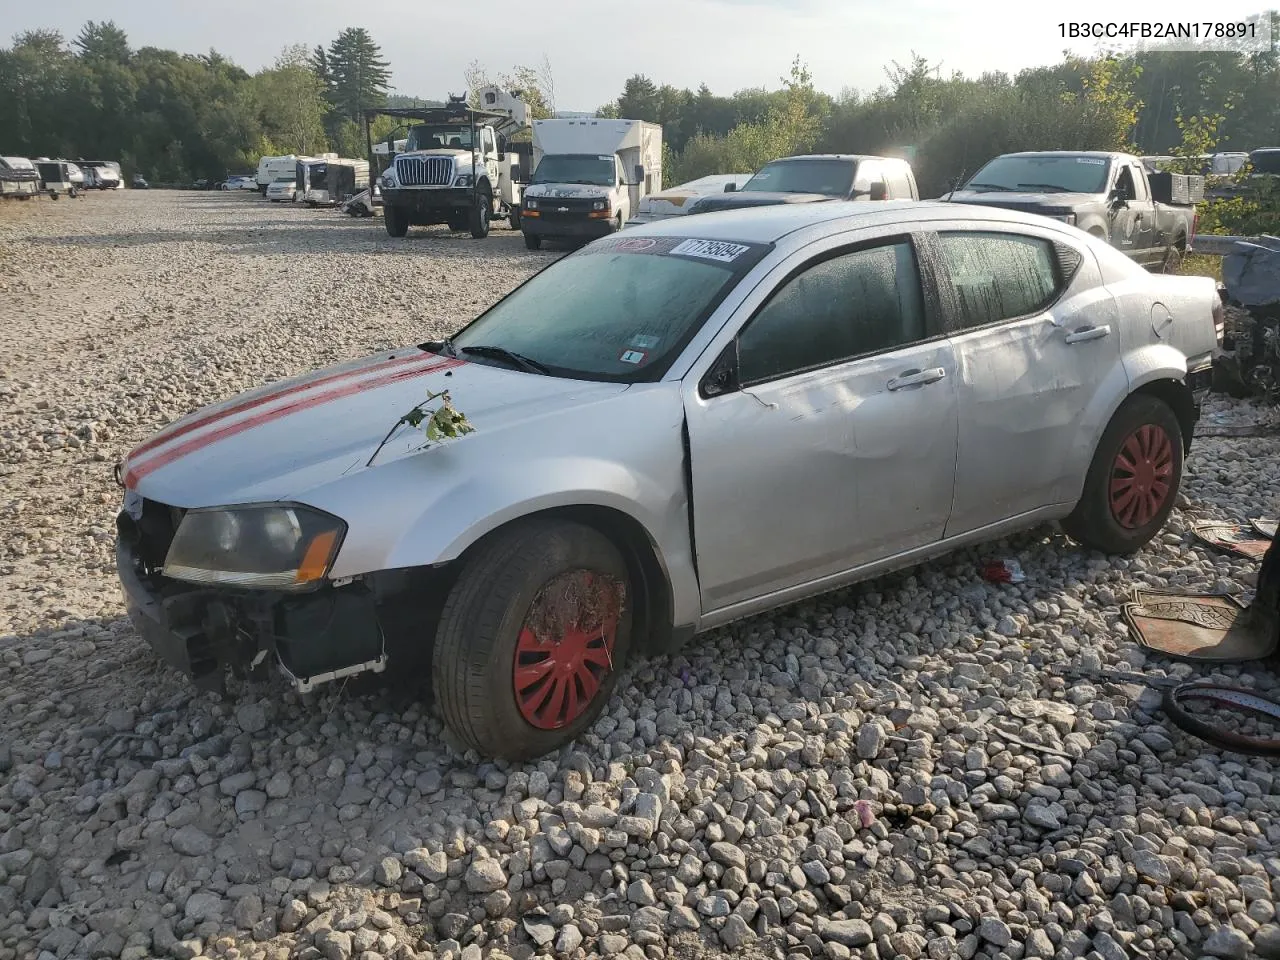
(18, 178)
(331, 181)
(589, 176)
(59, 177)
(272, 169)
(101, 174)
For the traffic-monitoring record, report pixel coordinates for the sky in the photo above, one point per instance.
(594, 45)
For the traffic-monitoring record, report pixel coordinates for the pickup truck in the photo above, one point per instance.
(1109, 195)
(810, 179)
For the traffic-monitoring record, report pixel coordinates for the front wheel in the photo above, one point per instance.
(531, 638)
(396, 221)
(1133, 480)
(481, 213)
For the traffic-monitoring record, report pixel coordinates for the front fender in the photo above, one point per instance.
(624, 454)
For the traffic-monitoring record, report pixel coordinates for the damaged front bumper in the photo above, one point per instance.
(315, 637)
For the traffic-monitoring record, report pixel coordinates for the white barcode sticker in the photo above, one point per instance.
(710, 250)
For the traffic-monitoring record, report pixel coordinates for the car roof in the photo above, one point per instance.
(1099, 154)
(769, 224)
(836, 156)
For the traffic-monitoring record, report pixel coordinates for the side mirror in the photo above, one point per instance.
(878, 191)
(722, 378)
(639, 173)
(1118, 199)
(730, 188)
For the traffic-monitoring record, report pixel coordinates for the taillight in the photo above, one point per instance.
(1219, 318)
(1195, 227)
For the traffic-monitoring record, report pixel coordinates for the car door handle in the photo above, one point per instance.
(915, 378)
(1084, 334)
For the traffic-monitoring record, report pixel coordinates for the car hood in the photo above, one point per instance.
(752, 198)
(1031, 202)
(279, 441)
(567, 191)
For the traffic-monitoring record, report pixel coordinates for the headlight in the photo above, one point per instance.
(464, 180)
(388, 181)
(600, 205)
(530, 203)
(278, 547)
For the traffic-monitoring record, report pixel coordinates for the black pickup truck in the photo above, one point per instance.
(1151, 218)
(815, 178)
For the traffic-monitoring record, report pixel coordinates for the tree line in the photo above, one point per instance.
(175, 116)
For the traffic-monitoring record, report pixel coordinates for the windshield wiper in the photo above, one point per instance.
(987, 186)
(502, 353)
(1046, 186)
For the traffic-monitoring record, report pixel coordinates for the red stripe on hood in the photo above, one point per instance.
(173, 432)
(165, 457)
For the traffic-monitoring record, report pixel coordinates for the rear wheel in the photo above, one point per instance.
(1133, 480)
(396, 221)
(532, 241)
(513, 219)
(531, 638)
(481, 214)
(1172, 262)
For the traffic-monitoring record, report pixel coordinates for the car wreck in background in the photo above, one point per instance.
(675, 201)
(1150, 217)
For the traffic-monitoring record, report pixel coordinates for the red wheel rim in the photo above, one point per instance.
(565, 648)
(1141, 477)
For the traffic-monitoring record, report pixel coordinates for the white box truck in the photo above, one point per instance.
(589, 176)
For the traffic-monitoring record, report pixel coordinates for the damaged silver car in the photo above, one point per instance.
(667, 430)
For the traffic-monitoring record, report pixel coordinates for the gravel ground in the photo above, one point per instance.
(890, 771)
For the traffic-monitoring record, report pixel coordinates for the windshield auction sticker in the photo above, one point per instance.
(710, 250)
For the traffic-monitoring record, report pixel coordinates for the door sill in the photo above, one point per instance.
(867, 571)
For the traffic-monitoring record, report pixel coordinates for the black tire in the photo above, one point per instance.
(617, 222)
(396, 221)
(478, 643)
(513, 218)
(1106, 519)
(480, 215)
(532, 241)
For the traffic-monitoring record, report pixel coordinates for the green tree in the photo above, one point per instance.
(103, 41)
(291, 103)
(358, 76)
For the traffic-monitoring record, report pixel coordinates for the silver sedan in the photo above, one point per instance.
(670, 429)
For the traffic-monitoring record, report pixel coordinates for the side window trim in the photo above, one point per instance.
(926, 269)
(946, 290)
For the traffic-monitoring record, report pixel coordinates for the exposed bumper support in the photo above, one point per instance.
(202, 632)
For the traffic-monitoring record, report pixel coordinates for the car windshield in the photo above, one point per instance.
(1042, 174)
(831, 177)
(454, 137)
(575, 168)
(619, 309)
(1265, 161)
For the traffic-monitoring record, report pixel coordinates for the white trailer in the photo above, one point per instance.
(18, 178)
(589, 176)
(273, 169)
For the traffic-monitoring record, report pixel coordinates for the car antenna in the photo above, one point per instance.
(955, 183)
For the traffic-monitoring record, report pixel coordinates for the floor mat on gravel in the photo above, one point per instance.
(1249, 540)
(1203, 627)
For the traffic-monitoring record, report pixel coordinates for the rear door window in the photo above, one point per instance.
(998, 276)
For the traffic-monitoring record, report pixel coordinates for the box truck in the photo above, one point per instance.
(589, 176)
